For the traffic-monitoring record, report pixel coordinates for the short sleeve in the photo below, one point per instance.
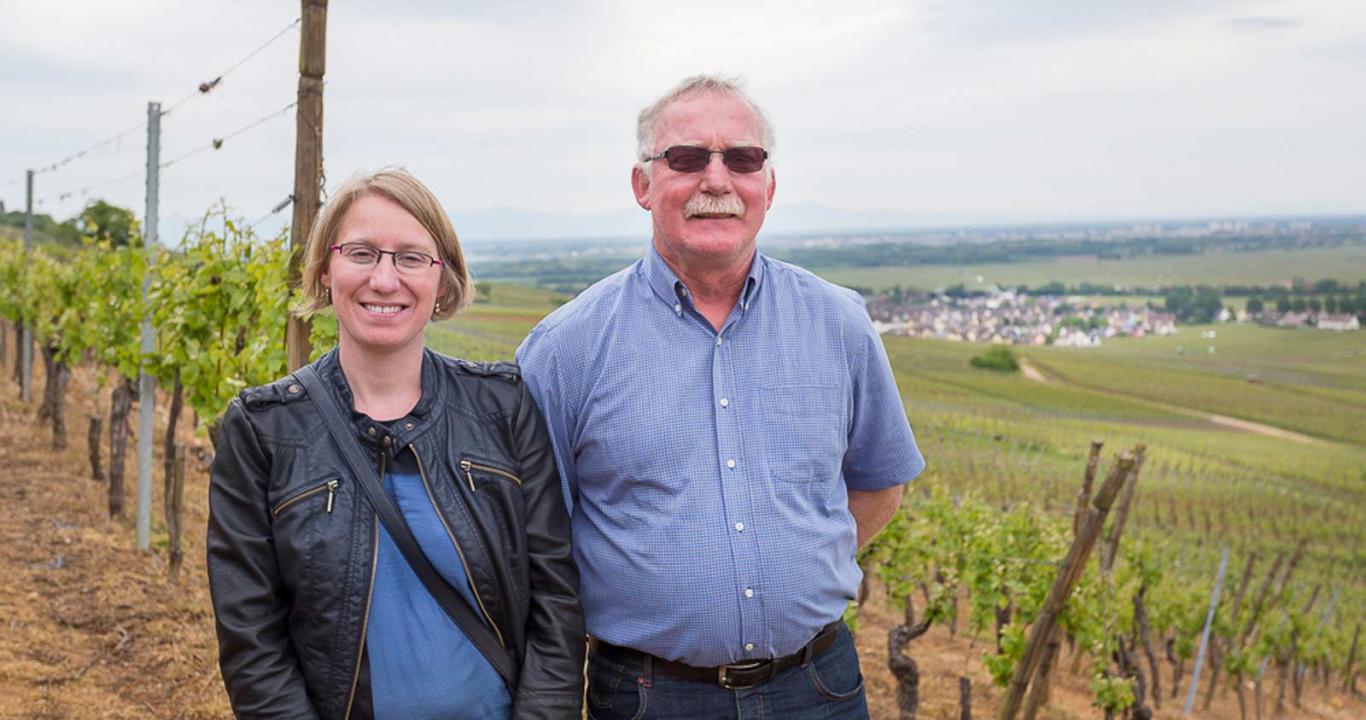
(882, 451)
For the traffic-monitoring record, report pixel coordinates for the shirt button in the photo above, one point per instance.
(749, 592)
(749, 647)
(725, 402)
(730, 463)
(718, 340)
(678, 308)
(739, 527)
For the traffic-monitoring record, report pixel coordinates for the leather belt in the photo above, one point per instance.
(745, 674)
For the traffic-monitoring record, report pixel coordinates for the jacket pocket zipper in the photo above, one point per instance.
(458, 550)
(466, 465)
(330, 486)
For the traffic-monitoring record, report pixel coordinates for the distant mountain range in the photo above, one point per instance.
(509, 223)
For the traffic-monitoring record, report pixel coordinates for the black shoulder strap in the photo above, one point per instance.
(369, 481)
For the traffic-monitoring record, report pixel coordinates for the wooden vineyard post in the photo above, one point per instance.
(175, 505)
(1204, 635)
(121, 403)
(18, 355)
(1087, 481)
(92, 440)
(1040, 690)
(1145, 633)
(1110, 549)
(172, 420)
(1072, 568)
(964, 698)
(308, 164)
(1349, 678)
(1261, 600)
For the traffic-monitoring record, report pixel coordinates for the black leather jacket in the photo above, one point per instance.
(292, 541)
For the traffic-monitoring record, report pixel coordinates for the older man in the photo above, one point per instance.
(728, 431)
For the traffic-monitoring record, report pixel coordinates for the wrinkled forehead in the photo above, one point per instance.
(710, 119)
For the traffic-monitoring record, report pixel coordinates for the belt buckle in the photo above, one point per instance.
(723, 677)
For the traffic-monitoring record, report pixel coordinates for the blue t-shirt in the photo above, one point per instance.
(421, 664)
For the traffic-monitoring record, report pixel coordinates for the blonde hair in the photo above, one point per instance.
(399, 186)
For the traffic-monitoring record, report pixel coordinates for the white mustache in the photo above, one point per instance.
(703, 204)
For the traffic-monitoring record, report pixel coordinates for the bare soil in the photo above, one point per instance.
(92, 628)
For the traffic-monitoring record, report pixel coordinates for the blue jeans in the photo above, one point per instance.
(830, 687)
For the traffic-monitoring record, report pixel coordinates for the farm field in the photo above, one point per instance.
(1016, 440)
(492, 329)
(1002, 439)
(1347, 263)
(1307, 381)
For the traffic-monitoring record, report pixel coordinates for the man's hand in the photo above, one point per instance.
(873, 509)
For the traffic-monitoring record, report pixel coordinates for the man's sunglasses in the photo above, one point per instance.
(690, 158)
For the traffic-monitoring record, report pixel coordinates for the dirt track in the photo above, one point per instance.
(91, 628)
(1032, 373)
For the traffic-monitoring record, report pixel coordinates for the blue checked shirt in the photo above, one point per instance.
(707, 472)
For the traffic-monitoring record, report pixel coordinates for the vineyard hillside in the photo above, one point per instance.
(94, 629)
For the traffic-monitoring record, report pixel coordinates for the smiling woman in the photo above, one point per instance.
(397, 546)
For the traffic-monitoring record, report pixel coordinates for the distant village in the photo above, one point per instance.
(1009, 317)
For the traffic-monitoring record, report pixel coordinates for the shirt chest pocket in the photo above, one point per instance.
(803, 428)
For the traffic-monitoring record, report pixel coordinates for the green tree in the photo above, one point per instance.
(1193, 305)
(1254, 306)
(102, 222)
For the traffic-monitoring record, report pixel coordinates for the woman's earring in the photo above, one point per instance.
(436, 310)
(329, 294)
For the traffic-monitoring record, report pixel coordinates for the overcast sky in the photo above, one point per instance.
(1065, 110)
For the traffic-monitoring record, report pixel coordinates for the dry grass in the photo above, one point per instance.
(90, 627)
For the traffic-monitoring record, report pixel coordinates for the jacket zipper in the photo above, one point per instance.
(458, 551)
(466, 465)
(330, 486)
(365, 620)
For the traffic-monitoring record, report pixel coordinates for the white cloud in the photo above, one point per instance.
(995, 108)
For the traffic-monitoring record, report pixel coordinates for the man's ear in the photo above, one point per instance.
(772, 185)
(640, 185)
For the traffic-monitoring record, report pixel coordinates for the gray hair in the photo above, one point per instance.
(690, 87)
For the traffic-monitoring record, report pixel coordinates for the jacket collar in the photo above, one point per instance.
(392, 435)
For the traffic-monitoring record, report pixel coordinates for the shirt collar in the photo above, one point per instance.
(670, 289)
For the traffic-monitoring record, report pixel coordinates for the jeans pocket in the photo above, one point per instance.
(835, 673)
(614, 693)
(823, 686)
